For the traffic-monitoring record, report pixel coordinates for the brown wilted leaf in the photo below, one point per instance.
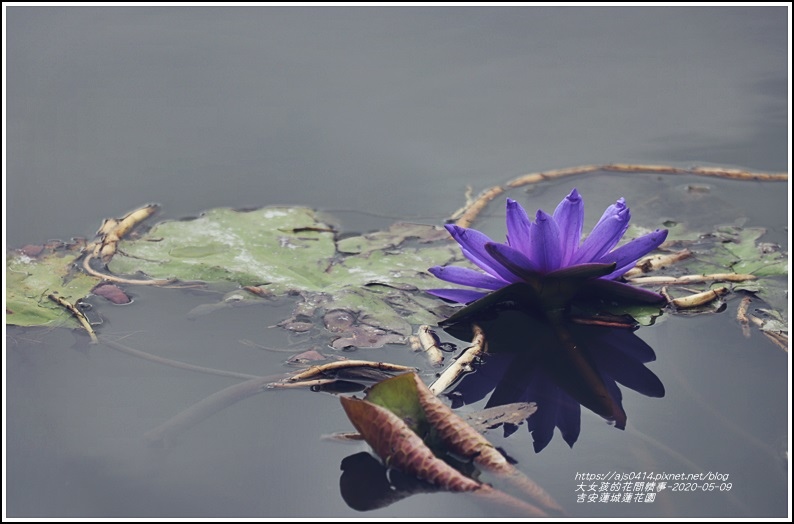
(398, 446)
(463, 440)
(112, 293)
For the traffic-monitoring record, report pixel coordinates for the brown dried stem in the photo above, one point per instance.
(654, 262)
(692, 279)
(319, 371)
(471, 211)
(699, 299)
(430, 344)
(465, 441)
(79, 315)
(451, 374)
(465, 216)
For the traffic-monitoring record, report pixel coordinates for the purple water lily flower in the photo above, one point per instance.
(546, 260)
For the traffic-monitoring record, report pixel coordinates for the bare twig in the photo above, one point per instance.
(647, 168)
(120, 280)
(465, 216)
(777, 338)
(320, 370)
(654, 262)
(113, 230)
(698, 299)
(451, 374)
(79, 315)
(471, 211)
(429, 342)
(692, 279)
(110, 233)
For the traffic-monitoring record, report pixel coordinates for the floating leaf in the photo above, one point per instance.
(376, 279)
(30, 279)
(111, 292)
(398, 446)
(408, 400)
(732, 250)
(394, 236)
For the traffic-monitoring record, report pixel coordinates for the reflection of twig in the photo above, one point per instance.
(466, 215)
(79, 315)
(205, 408)
(301, 384)
(779, 339)
(612, 323)
(174, 363)
(451, 374)
(251, 343)
(741, 316)
(320, 370)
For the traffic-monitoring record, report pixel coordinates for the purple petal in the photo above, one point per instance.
(627, 255)
(518, 227)
(466, 277)
(462, 296)
(569, 216)
(514, 260)
(616, 291)
(582, 271)
(545, 249)
(472, 244)
(606, 233)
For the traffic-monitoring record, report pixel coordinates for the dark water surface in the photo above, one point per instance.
(375, 114)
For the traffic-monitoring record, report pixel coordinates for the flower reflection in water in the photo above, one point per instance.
(560, 366)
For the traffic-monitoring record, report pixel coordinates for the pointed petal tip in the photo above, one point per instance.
(574, 195)
(542, 216)
(452, 228)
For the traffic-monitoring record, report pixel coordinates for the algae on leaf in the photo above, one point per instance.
(275, 251)
(282, 248)
(29, 279)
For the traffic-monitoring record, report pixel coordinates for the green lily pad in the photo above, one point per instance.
(30, 279)
(377, 277)
(733, 249)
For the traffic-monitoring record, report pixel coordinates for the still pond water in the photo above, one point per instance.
(375, 115)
